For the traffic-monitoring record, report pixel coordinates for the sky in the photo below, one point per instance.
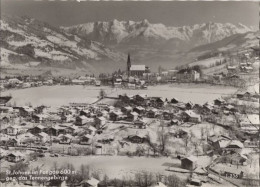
(67, 13)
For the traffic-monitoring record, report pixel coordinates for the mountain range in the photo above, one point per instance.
(144, 33)
(104, 45)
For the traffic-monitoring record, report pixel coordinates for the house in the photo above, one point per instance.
(91, 130)
(132, 116)
(232, 69)
(189, 163)
(83, 120)
(85, 113)
(219, 102)
(187, 75)
(115, 115)
(189, 105)
(126, 98)
(174, 122)
(65, 139)
(167, 115)
(234, 146)
(39, 118)
(140, 99)
(137, 138)
(100, 122)
(67, 118)
(140, 110)
(85, 139)
(138, 70)
(13, 130)
(139, 124)
(37, 129)
(92, 182)
(55, 130)
(151, 113)
(236, 159)
(26, 111)
(71, 129)
(126, 109)
(230, 108)
(190, 116)
(156, 102)
(174, 100)
(15, 157)
(42, 137)
(181, 133)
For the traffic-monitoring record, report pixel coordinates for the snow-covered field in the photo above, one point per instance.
(62, 95)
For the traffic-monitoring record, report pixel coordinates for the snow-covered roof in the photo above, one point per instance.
(192, 158)
(137, 68)
(92, 182)
(192, 114)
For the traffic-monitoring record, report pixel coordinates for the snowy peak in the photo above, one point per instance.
(130, 32)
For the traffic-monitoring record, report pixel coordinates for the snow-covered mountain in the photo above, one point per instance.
(25, 40)
(143, 32)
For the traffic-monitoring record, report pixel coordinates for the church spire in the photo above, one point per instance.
(128, 65)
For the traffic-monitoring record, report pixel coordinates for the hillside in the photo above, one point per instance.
(26, 41)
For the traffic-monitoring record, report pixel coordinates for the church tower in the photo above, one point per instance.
(128, 65)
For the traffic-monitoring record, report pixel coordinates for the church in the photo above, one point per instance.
(136, 70)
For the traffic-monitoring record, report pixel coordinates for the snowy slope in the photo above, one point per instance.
(25, 39)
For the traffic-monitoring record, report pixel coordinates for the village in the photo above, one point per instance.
(215, 143)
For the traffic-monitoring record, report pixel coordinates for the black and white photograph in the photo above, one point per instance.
(129, 93)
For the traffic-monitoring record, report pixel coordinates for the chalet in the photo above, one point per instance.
(15, 157)
(189, 106)
(132, 116)
(156, 102)
(189, 163)
(115, 115)
(126, 98)
(140, 110)
(12, 142)
(126, 109)
(174, 122)
(140, 99)
(139, 124)
(37, 129)
(83, 120)
(40, 109)
(55, 130)
(136, 138)
(100, 122)
(71, 129)
(67, 118)
(85, 139)
(39, 118)
(190, 116)
(13, 130)
(151, 113)
(167, 115)
(234, 145)
(85, 113)
(26, 111)
(91, 130)
(42, 137)
(219, 102)
(65, 139)
(236, 159)
(174, 100)
(230, 108)
(92, 182)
